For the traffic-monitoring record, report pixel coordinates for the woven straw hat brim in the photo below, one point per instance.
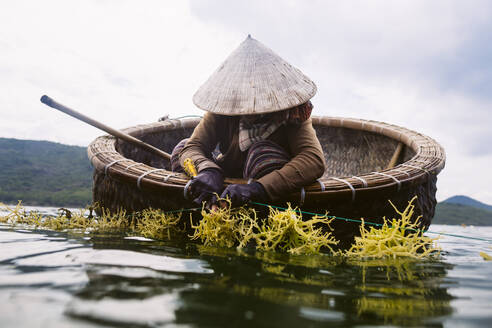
(254, 80)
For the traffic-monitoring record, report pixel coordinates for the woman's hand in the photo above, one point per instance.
(241, 194)
(205, 186)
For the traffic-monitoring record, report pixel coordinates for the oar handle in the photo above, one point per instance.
(121, 135)
(396, 156)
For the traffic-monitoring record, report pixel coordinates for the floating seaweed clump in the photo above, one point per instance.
(149, 223)
(18, 215)
(396, 238)
(226, 227)
(67, 220)
(287, 231)
(283, 230)
(157, 224)
(485, 256)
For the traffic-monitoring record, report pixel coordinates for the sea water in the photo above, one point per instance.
(67, 279)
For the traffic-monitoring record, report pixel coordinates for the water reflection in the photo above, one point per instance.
(403, 291)
(327, 288)
(114, 280)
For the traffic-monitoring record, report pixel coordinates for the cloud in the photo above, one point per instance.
(401, 62)
(425, 65)
(120, 62)
(441, 43)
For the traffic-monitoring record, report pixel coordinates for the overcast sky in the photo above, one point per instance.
(425, 65)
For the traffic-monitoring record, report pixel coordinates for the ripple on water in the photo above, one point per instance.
(152, 311)
(124, 258)
(320, 314)
(55, 279)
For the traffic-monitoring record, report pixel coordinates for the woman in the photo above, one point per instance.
(257, 127)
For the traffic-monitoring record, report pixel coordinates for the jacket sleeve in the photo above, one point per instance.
(201, 144)
(307, 163)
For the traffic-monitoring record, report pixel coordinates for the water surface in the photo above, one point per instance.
(60, 279)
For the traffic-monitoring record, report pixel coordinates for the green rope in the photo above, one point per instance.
(343, 219)
(459, 236)
(377, 224)
(192, 209)
(316, 214)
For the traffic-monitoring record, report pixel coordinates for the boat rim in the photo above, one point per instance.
(429, 159)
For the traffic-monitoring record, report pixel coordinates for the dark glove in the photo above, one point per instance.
(240, 194)
(204, 186)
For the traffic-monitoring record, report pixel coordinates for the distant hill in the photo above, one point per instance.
(456, 214)
(44, 173)
(465, 200)
(463, 210)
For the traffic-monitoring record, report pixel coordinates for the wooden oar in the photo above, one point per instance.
(118, 134)
(396, 156)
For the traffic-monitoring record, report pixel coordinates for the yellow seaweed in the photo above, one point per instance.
(190, 168)
(157, 224)
(283, 230)
(287, 231)
(396, 238)
(226, 227)
(149, 223)
(486, 256)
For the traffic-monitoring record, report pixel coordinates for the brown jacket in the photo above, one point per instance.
(300, 141)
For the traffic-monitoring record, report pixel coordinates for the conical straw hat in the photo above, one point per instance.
(254, 80)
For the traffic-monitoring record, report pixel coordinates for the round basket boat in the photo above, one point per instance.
(358, 183)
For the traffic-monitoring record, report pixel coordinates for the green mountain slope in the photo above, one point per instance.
(44, 173)
(449, 213)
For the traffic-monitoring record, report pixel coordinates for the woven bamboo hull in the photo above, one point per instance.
(355, 185)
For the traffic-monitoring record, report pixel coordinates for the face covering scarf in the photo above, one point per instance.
(254, 128)
(251, 131)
